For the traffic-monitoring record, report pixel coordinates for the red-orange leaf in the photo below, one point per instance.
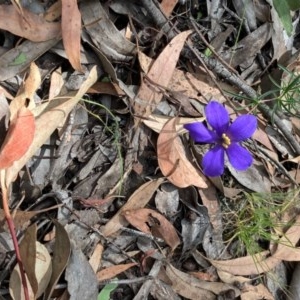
(18, 138)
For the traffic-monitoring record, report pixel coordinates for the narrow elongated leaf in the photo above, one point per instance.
(284, 14)
(71, 32)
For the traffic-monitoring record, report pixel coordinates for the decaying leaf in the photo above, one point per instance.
(172, 159)
(149, 221)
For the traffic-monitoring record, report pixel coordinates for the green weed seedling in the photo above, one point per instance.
(107, 289)
(258, 219)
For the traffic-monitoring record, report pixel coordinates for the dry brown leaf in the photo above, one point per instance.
(113, 271)
(29, 25)
(251, 292)
(167, 6)
(261, 136)
(157, 122)
(173, 161)
(95, 259)
(160, 73)
(56, 83)
(33, 81)
(138, 199)
(197, 86)
(232, 279)
(150, 221)
(71, 32)
(287, 249)
(191, 288)
(106, 88)
(53, 114)
(247, 265)
(26, 92)
(145, 61)
(53, 12)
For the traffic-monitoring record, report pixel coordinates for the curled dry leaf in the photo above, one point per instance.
(172, 159)
(18, 138)
(149, 221)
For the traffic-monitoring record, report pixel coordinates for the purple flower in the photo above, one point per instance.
(226, 138)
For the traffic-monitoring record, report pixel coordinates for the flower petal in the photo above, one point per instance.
(200, 133)
(242, 128)
(217, 116)
(213, 161)
(239, 157)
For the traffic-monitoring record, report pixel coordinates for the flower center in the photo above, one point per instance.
(225, 141)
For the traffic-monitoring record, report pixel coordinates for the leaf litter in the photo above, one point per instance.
(102, 188)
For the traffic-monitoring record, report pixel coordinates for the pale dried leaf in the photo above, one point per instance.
(95, 259)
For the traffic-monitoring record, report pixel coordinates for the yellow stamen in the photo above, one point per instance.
(226, 141)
